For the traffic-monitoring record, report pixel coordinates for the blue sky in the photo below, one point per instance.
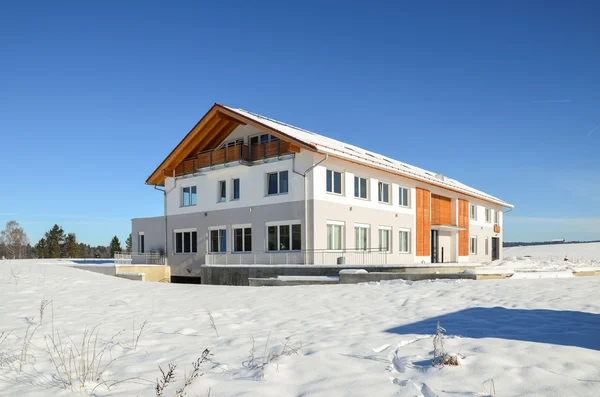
(501, 96)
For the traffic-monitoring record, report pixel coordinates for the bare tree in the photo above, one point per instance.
(14, 238)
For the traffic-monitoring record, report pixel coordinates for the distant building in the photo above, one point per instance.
(242, 189)
(558, 240)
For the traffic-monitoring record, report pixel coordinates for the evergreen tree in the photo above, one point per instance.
(55, 239)
(71, 249)
(115, 246)
(128, 243)
(42, 248)
(83, 250)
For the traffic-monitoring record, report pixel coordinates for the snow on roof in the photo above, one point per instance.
(350, 152)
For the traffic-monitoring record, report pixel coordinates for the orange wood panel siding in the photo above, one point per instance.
(463, 221)
(423, 232)
(441, 210)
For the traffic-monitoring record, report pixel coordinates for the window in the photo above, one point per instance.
(361, 237)
(222, 191)
(335, 236)
(488, 215)
(186, 242)
(473, 212)
(486, 246)
(473, 245)
(384, 239)
(360, 187)
(242, 239)
(277, 182)
(235, 142)
(262, 138)
(236, 189)
(286, 237)
(188, 196)
(497, 217)
(404, 197)
(384, 192)
(218, 240)
(334, 182)
(141, 243)
(404, 241)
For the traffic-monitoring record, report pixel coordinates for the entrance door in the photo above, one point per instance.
(434, 246)
(495, 248)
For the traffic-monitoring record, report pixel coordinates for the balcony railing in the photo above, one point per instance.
(238, 153)
(304, 257)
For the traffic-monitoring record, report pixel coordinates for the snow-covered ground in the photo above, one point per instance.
(532, 261)
(519, 337)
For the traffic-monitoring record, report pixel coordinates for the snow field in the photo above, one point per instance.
(521, 337)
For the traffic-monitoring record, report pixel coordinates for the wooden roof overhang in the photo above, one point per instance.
(211, 130)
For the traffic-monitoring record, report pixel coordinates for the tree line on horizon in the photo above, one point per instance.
(56, 243)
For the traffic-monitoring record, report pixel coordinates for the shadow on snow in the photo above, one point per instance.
(559, 327)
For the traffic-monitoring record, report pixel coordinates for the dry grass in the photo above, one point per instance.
(259, 363)
(212, 322)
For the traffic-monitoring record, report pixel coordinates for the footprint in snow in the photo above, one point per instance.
(398, 364)
(424, 390)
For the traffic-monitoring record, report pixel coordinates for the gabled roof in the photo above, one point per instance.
(322, 144)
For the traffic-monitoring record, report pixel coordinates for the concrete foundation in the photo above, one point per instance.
(132, 276)
(159, 273)
(355, 278)
(240, 275)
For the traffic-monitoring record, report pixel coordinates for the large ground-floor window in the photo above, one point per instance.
(473, 245)
(284, 237)
(218, 240)
(335, 235)
(361, 237)
(404, 241)
(385, 239)
(242, 239)
(186, 241)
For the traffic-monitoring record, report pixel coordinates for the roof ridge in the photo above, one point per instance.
(277, 121)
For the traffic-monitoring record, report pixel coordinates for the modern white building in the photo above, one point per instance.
(241, 188)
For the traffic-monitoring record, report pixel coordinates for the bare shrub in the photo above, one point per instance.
(165, 379)
(440, 356)
(169, 376)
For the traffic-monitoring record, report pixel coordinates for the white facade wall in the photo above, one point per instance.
(324, 207)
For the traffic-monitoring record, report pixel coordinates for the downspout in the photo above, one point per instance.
(165, 216)
(306, 196)
(164, 191)
(502, 230)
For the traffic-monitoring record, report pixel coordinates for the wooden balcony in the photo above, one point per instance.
(239, 153)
